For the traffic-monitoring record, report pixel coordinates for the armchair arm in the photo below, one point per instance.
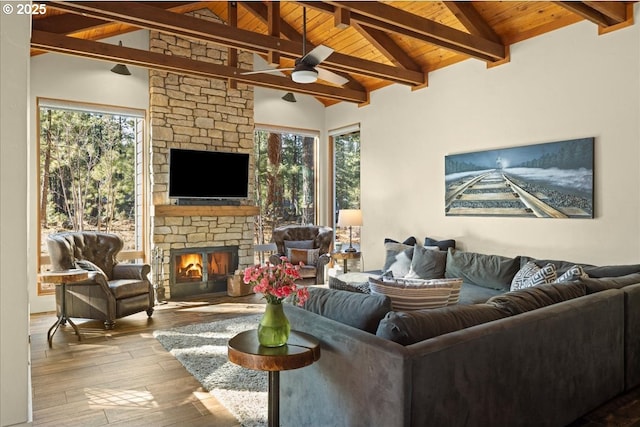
(131, 271)
(275, 259)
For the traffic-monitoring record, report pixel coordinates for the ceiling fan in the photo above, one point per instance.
(306, 68)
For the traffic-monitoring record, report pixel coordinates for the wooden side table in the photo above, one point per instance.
(301, 350)
(61, 278)
(345, 256)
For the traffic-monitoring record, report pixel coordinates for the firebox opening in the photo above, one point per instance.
(201, 270)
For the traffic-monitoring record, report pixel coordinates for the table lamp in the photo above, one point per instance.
(350, 218)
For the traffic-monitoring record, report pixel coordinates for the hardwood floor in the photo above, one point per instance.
(124, 377)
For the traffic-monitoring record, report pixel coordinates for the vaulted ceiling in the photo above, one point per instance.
(375, 43)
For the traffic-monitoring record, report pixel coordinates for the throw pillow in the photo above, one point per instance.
(409, 241)
(398, 258)
(444, 245)
(412, 294)
(427, 263)
(89, 266)
(305, 256)
(544, 275)
(574, 273)
(489, 271)
(528, 270)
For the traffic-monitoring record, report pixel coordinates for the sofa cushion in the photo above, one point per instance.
(600, 284)
(126, 288)
(528, 299)
(411, 327)
(398, 258)
(489, 271)
(361, 311)
(443, 245)
(472, 294)
(427, 263)
(611, 270)
(305, 256)
(415, 294)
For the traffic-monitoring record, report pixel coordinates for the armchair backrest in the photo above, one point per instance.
(100, 248)
(322, 236)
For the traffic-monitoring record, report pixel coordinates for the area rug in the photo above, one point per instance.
(202, 349)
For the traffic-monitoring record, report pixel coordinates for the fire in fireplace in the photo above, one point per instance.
(201, 270)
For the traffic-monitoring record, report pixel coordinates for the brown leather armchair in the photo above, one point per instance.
(113, 290)
(310, 244)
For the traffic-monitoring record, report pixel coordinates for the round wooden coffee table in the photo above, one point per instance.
(301, 350)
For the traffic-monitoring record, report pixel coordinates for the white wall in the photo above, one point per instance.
(16, 267)
(567, 84)
(77, 79)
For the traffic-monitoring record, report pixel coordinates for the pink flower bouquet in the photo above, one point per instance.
(276, 282)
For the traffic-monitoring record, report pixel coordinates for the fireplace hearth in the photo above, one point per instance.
(195, 271)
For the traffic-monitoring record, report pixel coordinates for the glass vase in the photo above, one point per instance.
(274, 327)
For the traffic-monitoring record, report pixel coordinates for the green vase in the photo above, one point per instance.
(274, 327)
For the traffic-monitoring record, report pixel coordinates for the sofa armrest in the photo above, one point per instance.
(131, 271)
(359, 380)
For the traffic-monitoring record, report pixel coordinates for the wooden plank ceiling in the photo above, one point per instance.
(375, 43)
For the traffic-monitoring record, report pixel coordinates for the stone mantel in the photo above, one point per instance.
(190, 210)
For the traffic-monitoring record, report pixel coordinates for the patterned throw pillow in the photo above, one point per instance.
(305, 256)
(546, 274)
(523, 274)
(532, 275)
(574, 273)
(414, 294)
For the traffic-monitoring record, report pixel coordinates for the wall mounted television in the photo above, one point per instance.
(199, 174)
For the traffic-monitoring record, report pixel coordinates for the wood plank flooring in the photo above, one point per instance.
(124, 377)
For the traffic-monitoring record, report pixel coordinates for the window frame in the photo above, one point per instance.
(142, 189)
(332, 135)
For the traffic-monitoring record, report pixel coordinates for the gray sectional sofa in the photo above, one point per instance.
(540, 356)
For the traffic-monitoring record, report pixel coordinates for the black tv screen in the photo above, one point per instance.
(199, 174)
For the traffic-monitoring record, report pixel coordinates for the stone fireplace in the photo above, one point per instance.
(198, 113)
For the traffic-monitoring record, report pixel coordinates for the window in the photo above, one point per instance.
(345, 158)
(91, 163)
(285, 178)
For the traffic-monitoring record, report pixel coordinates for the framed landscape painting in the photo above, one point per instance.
(550, 180)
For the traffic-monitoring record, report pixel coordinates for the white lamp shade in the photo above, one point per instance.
(349, 218)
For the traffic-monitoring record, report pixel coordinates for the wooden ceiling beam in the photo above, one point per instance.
(390, 49)
(51, 42)
(152, 18)
(388, 18)
(601, 15)
(472, 20)
(273, 29)
(232, 53)
(615, 10)
(342, 18)
(259, 10)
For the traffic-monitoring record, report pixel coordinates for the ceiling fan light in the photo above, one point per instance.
(304, 76)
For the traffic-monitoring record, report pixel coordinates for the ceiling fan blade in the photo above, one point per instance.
(317, 55)
(331, 77)
(268, 70)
